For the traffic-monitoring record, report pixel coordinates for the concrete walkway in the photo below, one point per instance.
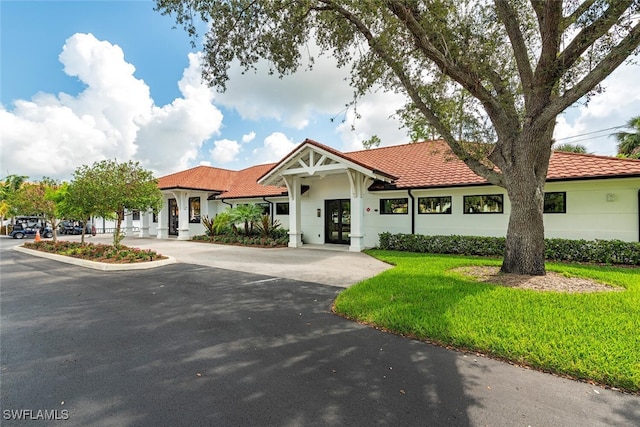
(336, 267)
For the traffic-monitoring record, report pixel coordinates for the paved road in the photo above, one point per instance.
(189, 345)
(330, 267)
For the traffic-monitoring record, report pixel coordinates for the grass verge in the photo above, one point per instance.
(593, 337)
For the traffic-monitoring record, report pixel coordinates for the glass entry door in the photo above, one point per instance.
(173, 217)
(337, 219)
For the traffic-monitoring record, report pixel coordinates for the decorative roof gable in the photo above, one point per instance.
(311, 158)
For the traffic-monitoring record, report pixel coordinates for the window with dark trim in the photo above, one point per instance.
(489, 203)
(282, 208)
(135, 215)
(394, 206)
(434, 205)
(555, 202)
(194, 210)
(266, 208)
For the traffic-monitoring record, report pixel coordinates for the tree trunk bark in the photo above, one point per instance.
(524, 250)
(525, 177)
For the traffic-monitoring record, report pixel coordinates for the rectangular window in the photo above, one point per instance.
(266, 209)
(194, 210)
(135, 215)
(394, 206)
(282, 208)
(491, 203)
(555, 202)
(434, 205)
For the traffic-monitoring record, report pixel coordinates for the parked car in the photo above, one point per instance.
(72, 227)
(20, 231)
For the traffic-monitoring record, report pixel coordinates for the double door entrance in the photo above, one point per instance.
(337, 220)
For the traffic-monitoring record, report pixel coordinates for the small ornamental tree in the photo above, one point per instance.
(110, 189)
(8, 189)
(38, 199)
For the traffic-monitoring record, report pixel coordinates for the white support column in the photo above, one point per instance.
(357, 185)
(295, 233)
(182, 198)
(163, 219)
(144, 223)
(128, 223)
(204, 207)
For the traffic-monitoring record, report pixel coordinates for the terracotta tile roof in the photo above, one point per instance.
(245, 184)
(567, 166)
(421, 164)
(199, 178)
(433, 164)
(417, 165)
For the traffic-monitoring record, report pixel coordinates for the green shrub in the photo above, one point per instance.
(95, 252)
(592, 251)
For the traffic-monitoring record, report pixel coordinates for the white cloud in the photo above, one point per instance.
(294, 99)
(171, 137)
(225, 151)
(376, 111)
(248, 137)
(113, 117)
(619, 102)
(275, 147)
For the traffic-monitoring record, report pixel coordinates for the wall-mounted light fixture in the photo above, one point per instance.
(319, 212)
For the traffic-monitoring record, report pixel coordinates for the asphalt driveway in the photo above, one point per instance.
(191, 345)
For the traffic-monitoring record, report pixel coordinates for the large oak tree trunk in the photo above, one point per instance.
(525, 172)
(524, 251)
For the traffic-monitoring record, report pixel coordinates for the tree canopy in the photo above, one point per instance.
(497, 72)
(629, 140)
(108, 189)
(9, 187)
(570, 148)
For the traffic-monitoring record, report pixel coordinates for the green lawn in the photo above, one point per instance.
(592, 336)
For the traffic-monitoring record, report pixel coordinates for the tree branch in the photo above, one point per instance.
(549, 16)
(510, 21)
(501, 115)
(474, 164)
(580, 10)
(590, 34)
(616, 56)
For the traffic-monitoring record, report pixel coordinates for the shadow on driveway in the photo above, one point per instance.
(194, 345)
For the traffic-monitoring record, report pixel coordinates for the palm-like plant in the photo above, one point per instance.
(247, 214)
(266, 226)
(629, 142)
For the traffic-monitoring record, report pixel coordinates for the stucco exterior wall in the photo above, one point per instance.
(595, 209)
(320, 189)
(602, 209)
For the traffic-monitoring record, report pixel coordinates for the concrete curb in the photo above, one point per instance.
(96, 265)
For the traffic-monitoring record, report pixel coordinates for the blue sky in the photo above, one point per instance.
(81, 81)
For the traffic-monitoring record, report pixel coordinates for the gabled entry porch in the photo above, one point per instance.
(336, 208)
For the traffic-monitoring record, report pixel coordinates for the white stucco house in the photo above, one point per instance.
(324, 196)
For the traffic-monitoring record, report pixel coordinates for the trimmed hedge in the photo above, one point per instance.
(591, 251)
